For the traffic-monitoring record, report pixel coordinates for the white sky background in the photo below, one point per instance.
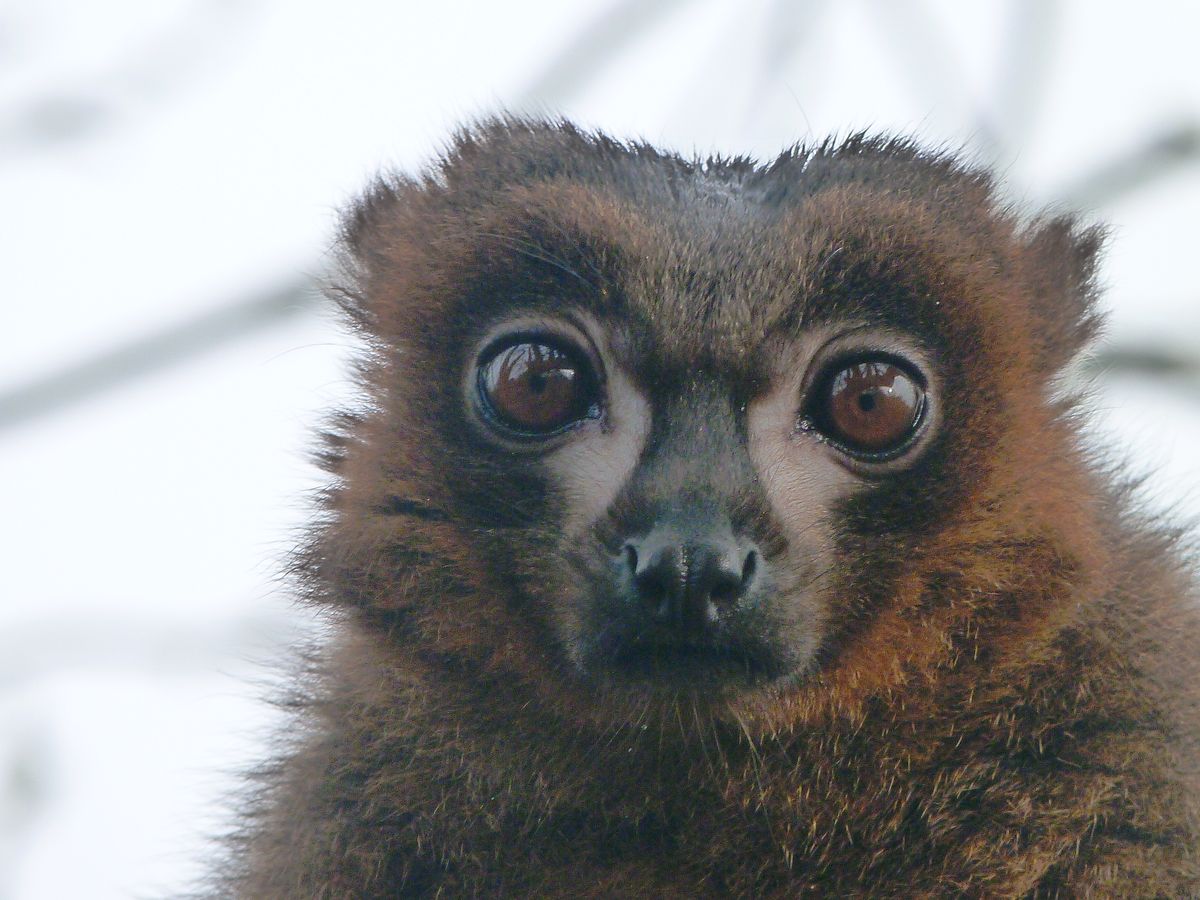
(162, 159)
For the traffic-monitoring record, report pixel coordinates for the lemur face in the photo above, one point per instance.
(697, 509)
(706, 420)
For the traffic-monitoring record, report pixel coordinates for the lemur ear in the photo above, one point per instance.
(370, 235)
(398, 234)
(1064, 259)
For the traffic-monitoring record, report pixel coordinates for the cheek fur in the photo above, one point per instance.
(589, 471)
(802, 484)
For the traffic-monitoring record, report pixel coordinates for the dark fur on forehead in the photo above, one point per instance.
(728, 240)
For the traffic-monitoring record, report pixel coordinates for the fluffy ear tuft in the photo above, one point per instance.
(386, 241)
(369, 213)
(367, 230)
(1064, 260)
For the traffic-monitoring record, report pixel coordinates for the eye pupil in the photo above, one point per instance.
(870, 407)
(535, 387)
(540, 382)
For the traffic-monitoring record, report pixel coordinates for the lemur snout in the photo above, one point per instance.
(687, 583)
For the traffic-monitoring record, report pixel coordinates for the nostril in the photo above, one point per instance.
(631, 558)
(726, 583)
(724, 592)
(749, 568)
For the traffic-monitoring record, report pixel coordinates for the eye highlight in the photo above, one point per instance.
(536, 387)
(871, 406)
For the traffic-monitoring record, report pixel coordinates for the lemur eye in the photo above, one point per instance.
(536, 387)
(871, 406)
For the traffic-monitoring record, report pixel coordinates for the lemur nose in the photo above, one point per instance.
(689, 583)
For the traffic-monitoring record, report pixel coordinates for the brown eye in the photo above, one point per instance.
(871, 406)
(537, 388)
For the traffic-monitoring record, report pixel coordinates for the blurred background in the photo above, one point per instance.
(170, 175)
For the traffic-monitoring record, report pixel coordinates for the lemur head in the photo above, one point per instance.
(650, 427)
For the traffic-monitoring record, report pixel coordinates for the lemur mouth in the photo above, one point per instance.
(686, 664)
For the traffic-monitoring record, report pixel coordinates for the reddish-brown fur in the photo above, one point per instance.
(1005, 704)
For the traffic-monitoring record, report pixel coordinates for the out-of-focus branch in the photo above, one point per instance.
(41, 648)
(1161, 157)
(1176, 364)
(1028, 50)
(144, 355)
(578, 63)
